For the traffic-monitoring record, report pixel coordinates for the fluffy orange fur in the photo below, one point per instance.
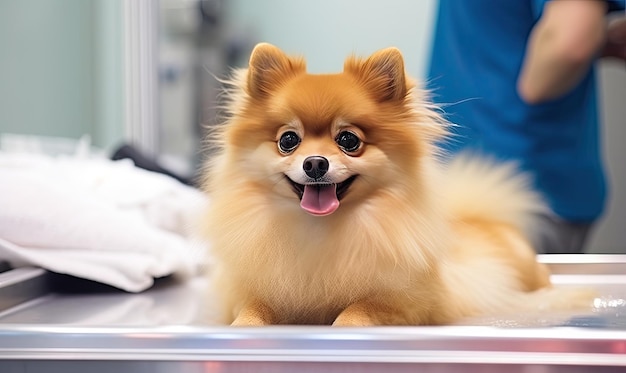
(413, 241)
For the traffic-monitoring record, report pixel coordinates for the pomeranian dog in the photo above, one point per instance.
(330, 205)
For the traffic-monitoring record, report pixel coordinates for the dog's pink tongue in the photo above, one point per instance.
(320, 199)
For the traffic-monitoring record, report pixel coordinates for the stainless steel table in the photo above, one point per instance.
(166, 330)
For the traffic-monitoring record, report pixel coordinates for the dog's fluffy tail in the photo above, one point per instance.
(481, 192)
(482, 189)
(549, 306)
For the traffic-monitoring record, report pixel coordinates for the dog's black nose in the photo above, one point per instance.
(315, 166)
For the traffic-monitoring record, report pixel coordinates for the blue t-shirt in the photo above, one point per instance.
(477, 55)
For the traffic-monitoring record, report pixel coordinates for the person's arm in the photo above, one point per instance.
(561, 48)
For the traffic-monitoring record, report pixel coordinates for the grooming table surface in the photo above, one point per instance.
(165, 329)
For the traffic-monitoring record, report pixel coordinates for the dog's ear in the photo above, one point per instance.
(382, 73)
(269, 67)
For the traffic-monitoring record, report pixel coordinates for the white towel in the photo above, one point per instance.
(97, 219)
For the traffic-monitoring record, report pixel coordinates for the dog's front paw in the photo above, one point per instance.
(369, 313)
(353, 320)
(359, 314)
(254, 314)
(249, 320)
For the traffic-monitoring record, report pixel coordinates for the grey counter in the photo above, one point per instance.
(168, 329)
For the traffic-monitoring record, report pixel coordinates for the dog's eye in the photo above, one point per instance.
(288, 142)
(348, 141)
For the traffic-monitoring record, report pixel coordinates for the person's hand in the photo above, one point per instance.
(616, 40)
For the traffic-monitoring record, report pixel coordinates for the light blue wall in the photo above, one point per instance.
(61, 65)
(326, 31)
(61, 68)
(108, 66)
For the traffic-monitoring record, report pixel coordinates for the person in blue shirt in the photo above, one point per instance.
(517, 78)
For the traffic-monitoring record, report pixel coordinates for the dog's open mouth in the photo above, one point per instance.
(321, 198)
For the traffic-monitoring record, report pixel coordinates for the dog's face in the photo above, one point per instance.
(324, 141)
